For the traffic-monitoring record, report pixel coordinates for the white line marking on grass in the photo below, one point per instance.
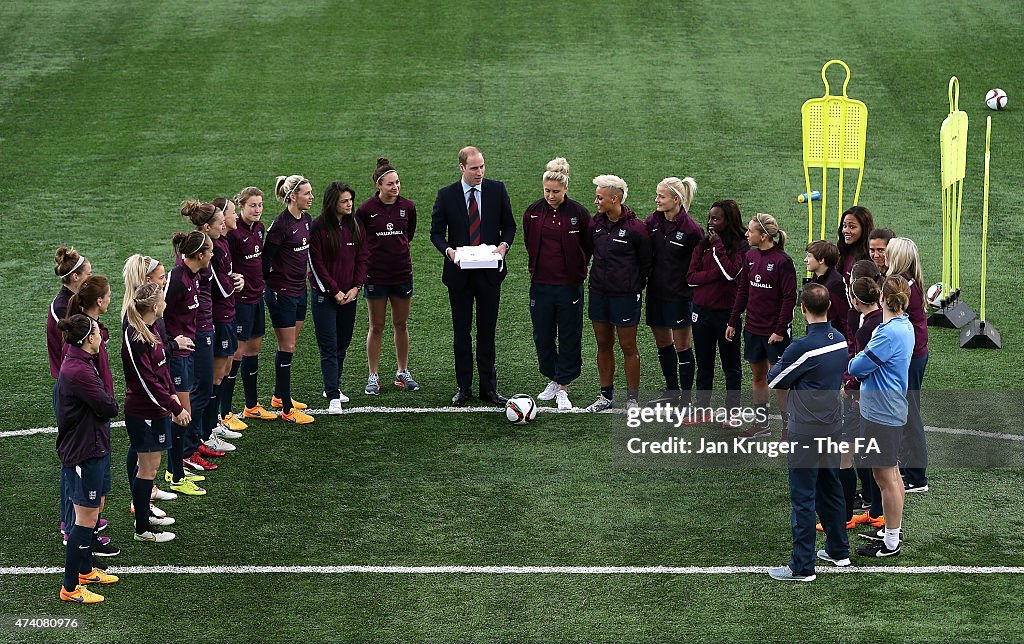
(473, 410)
(520, 570)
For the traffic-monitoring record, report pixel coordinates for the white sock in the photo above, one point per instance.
(892, 538)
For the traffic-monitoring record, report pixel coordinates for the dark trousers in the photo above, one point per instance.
(708, 342)
(557, 316)
(67, 509)
(334, 324)
(487, 296)
(202, 389)
(915, 447)
(815, 490)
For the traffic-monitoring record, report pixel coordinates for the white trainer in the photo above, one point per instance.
(334, 407)
(220, 431)
(341, 396)
(219, 444)
(549, 391)
(562, 398)
(162, 495)
(154, 536)
(161, 521)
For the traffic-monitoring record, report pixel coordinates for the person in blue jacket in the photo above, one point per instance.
(812, 369)
(883, 368)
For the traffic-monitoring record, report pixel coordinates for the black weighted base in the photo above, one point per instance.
(954, 315)
(980, 335)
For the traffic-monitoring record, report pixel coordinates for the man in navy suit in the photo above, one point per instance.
(471, 212)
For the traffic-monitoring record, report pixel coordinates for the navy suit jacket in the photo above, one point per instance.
(449, 227)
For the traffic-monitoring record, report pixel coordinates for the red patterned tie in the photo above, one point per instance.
(474, 219)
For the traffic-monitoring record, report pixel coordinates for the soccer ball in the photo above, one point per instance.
(934, 295)
(995, 99)
(520, 409)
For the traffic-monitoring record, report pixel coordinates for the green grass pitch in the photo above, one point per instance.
(112, 113)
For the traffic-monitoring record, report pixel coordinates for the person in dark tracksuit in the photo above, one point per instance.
(618, 274)
(716, 268)
(904, 260)
(812, 369)
(338, 257)
(182, 297)
(674, 234)
(767, 294)
(83, 444)
(72, 269)
(556, 231)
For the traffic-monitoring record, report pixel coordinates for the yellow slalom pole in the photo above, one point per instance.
(984, 220)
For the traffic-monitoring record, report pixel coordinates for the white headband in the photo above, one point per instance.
(78, 264)
(201, 245)
(386, 172)
(152, 266)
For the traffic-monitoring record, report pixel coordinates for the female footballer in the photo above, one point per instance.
(247, 242)
(182, 308)
(715, 271)
(904, 260)
(285, 258)
(338, 257)
(83, 444)
(556, 231)
(226, 285)
(674, 235)
(767, 294)
(854, 229)
(149, 405)
(621, 265)
(390, 223)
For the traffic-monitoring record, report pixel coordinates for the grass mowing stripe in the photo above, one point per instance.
(521, 570)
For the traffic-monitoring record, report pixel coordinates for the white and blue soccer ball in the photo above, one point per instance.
(520, 409)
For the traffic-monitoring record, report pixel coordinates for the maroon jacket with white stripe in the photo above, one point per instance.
(150, 393)
(337, 272)
(714, 273)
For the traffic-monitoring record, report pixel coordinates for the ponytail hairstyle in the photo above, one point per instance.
(732, 237)
(67, 262)
(190, 244)
(383, 167)
(332, 220)
(144, 299)
(557, 170)
(895, 293)
(92, 289)
(770, 227)
(76, 329)
(903, 259)
(136, 269)
(286, 186)
(683, 189)
(612, 182)
(245, 195)
(859, 248)
(199, 213)
(865, 290)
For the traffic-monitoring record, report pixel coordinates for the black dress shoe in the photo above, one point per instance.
(494, 397)
(460, 398)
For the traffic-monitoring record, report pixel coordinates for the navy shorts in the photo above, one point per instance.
(757, 348)
(88, 482)
(225, 341)
(617, 310)
(401, 291)
(880, 446)
(147, 435)
(286, 310)
(671, 314)
(183, 373)
(250, 320)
